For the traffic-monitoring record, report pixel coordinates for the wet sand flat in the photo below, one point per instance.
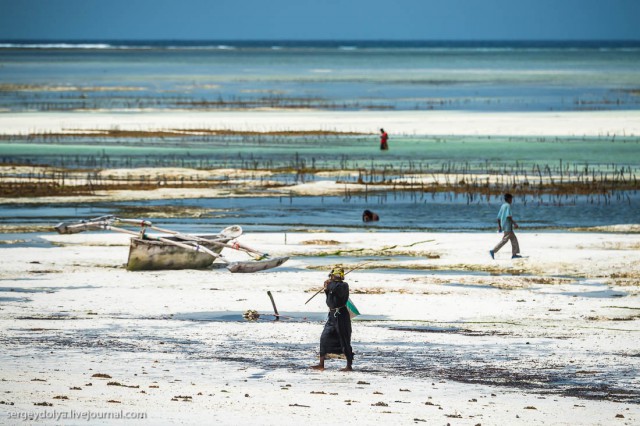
(448, 337)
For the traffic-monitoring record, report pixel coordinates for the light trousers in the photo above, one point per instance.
(508, 236)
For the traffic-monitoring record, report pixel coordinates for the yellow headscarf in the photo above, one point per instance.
(337, 271)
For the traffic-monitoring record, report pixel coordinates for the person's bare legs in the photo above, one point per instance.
(320, 365)
(348, 367)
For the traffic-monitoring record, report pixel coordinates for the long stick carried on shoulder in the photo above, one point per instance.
(350, 270)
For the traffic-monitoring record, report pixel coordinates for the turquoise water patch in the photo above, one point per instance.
(407, 155)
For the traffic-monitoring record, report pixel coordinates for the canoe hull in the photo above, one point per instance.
(150, 255)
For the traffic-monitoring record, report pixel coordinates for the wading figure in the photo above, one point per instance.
(384, 137)
(369, 216)
(336, 336)
(506, 224)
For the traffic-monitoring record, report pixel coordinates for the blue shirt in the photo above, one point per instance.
(503, 214)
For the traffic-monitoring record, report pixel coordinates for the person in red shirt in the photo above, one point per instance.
(384, 137)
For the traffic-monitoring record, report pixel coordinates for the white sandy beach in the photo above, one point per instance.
(583, 123)
(447, 335)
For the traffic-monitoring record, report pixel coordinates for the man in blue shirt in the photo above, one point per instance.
(506, 224)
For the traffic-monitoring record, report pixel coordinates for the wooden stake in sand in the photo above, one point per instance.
(274, 305)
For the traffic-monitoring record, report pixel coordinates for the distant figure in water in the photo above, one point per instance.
(384, 137)
(506, 224)
(336, 336)
(369, 216)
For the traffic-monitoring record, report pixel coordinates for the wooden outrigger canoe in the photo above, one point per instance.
(177, 250)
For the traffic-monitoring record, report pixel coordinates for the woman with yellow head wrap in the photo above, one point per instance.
(336, 336)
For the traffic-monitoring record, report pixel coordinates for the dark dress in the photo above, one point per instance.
(336, 336)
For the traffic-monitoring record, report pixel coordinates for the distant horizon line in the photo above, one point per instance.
(312, 40)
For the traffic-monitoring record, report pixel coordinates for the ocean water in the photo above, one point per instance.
(409, 154)
(340, 75)
(437, 212)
